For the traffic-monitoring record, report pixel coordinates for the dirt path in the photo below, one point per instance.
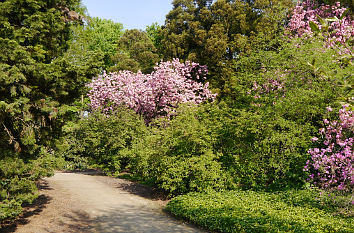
(76, 202)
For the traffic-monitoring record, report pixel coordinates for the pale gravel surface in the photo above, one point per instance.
(77, 202)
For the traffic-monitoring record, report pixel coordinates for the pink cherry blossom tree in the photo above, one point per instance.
(151, 95)
(309, 17)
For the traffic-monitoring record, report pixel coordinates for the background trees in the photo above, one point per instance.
(214, 34)
(99, 36)
(135, 51)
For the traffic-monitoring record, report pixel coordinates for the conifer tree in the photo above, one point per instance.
(214, 33)
(37, 83)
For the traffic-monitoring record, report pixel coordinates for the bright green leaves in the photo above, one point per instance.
(249, 211)
(99, 38)
(314, 27)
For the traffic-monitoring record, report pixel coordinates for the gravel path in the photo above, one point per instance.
(78, 202)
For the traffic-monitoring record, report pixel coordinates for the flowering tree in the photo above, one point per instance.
(309, 16)
(332, 166)
(151, 95)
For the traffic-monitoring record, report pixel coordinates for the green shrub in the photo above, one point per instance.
(102, 139)
(249, 211)
(178, 155)
(276, 103)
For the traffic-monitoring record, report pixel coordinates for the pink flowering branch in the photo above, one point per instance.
(151, 95)
(332, 167)
(330, 19)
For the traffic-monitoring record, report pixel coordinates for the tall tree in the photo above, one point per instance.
(100, 36)
(214, 33)
(135, 52)
(36, 82)
(154, 33)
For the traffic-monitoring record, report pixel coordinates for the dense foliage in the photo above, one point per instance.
(38, 82)
(103, 139)
(97, 38)
(279, 99)
(249, 211)
(135, 51)
(215, 33)
(18, 182)
(178, 155)
(33, 36)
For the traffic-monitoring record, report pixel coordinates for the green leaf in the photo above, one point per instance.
(314, 27)
(321, 20)
(333, 19)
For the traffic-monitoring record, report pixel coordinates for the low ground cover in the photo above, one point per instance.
(252, 211)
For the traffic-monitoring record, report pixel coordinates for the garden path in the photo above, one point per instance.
(89, 202)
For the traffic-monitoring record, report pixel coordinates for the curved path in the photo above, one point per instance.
(78, 202)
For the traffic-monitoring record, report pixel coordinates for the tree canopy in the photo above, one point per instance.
(36, 81)
(135, 51)
(214, 33)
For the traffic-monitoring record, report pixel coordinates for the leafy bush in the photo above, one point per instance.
(178, 155)
(276, 103)
(249, 211)
(102, 138)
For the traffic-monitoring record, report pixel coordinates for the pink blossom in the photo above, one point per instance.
(335, 161)
(339, 31)
(151, 95)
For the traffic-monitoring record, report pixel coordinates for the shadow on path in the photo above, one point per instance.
(29, 210)
(129, 219)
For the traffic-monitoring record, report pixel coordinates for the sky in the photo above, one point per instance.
(131, 13)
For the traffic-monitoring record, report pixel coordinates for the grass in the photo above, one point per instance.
(250, 211)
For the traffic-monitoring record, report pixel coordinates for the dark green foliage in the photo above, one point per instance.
(136, 51)
(39, 80)
(103, 139)
(249, 211)
(33, 79)
(214, 33)
(18, 182)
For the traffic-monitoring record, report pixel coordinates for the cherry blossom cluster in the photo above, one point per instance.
(332, 166)
(275, 86)
(271, 85)
(151, 95)
(339, 30)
